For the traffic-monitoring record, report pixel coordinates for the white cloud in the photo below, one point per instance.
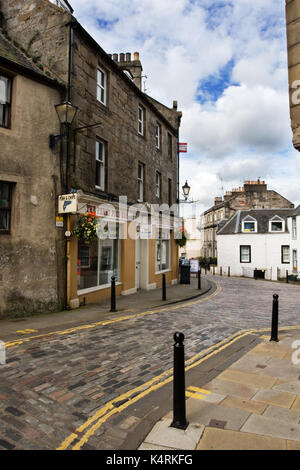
(246, 132)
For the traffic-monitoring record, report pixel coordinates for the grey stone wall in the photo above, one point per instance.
(42, 29)
(120, 130)
(32, 255)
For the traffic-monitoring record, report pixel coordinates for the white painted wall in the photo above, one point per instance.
(194, 242)
(294, 243)
(265, 252)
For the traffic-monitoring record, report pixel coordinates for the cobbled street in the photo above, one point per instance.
(51, 386)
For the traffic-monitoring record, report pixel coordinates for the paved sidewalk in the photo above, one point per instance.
(130, 304)
(254, 404)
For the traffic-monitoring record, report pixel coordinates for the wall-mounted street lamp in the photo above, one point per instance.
(66, 113)
(186, 192)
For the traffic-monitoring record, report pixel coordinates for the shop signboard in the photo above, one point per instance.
(194, 264)
(67, 203)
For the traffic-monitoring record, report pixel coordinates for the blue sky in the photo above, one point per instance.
(225, 63)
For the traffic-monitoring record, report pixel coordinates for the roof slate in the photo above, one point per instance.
(262, 216)
(15, 56)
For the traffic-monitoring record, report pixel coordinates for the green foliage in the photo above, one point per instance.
(86, 228)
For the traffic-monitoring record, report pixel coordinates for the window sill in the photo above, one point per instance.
(163, 271)
(95, 289)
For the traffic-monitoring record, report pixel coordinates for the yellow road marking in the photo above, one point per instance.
(109, 409)
(18, 342)
(199, 390)
(194, 395)
(26, 332)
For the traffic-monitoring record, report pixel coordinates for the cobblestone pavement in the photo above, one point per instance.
(54, 386)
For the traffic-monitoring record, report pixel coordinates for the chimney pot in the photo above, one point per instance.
(136, 56)
(122, 57)
(128, 57)
(115, 57)
(175, 104)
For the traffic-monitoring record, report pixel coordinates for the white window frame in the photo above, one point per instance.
(141, 180)
(248, 254)
(294, 228)
(170, 146)
(101, 87)
(157, 135)
(285, 254)
(141, 120)
(249, 220)
(276, 218)
(158, 184)
(102, 163)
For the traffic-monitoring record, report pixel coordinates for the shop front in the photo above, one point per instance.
(135, 257)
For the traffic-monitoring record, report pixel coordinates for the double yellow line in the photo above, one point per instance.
(20, 341)
(83, 433)
(88, 429)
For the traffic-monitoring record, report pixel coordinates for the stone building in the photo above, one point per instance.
(252, 195)
(31, 246)
(293, 48)
(123, 143)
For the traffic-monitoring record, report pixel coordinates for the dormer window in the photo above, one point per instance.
(276, 224)
(249, 224)
(128, 73)
(63, 4)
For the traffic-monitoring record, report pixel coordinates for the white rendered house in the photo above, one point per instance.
(258, 239)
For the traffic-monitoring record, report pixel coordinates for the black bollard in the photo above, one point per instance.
(164, 288)
(274, 332)
(205, 269)
(220, 271)
(113, 295)
(199, 279)
(287, 276)
(213, 270)
(228, 271)
(179, 417)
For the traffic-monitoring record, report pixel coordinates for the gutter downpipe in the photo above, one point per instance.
(68, 183)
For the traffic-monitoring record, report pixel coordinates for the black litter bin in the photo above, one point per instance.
(185, 272)
(259, 273)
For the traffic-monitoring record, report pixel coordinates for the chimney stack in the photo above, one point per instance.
(134, 67)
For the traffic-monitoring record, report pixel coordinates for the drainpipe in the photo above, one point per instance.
(68, 182)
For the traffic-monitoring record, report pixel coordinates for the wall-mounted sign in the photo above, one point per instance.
(59, 222)
(182, 147)
(67, 203)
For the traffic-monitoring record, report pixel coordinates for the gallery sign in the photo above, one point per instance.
(67, 203)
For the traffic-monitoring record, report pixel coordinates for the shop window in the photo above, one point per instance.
(5, 207)
(285, 254)
(163, 251)
(5, 101)
(98, 262)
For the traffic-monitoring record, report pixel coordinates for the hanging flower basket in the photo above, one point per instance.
(86, 228)
(184, 237)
